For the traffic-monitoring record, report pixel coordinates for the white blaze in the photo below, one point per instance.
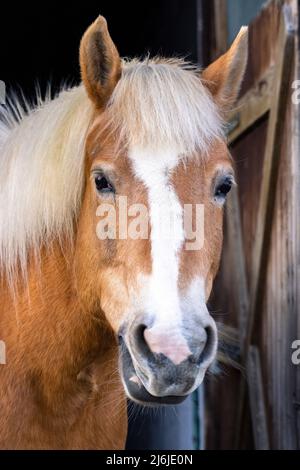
(162, 297)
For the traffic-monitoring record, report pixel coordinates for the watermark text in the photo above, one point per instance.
(121, 221)
(296, 353)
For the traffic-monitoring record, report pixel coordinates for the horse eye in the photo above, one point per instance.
(103, 185)
(222, 189)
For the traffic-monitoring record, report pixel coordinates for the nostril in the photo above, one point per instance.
(141, 342)
(209, 347)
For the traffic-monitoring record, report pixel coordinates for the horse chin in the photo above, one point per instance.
(134, 387)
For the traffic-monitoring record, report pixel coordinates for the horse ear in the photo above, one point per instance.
(224, 76)
(100, 62)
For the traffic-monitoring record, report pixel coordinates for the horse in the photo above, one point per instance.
(89, 316)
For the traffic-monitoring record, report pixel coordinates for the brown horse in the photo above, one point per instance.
(90, 310)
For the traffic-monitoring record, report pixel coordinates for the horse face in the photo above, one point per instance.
(153, 289)
(150, 232)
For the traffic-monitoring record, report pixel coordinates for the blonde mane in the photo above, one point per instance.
(162, 103)
(42, 173)
(156, 103)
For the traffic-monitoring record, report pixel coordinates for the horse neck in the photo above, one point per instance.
(47, 330)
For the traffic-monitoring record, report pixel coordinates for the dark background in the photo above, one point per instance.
(39, 43)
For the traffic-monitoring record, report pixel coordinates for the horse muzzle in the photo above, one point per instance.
(163, 364)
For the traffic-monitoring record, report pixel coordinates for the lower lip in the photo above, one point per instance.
(138, 392)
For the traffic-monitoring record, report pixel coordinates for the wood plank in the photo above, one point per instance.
(263, 35)
(257, 401)
(270, 172)
(221, 27)
(251, 107)
(235, 237)
(294, 229)
(230, 355)
(296, 215)
(286, 42)
(200, 33)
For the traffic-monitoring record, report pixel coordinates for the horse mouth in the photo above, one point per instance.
(134, 387)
